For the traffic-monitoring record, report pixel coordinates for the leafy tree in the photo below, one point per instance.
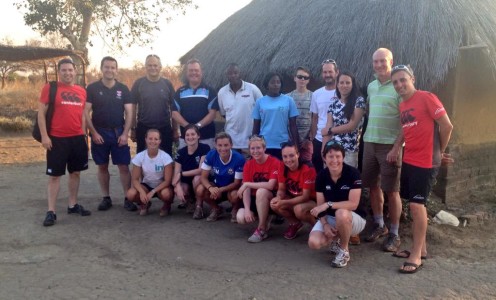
(118, 22)
(7, 68)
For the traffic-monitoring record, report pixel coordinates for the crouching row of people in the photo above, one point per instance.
(258, 189)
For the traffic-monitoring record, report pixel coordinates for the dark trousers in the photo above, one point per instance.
(165, 133)
(317, 161)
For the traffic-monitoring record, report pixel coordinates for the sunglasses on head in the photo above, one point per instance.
(401, 67)
(330, 61)
(303, 77)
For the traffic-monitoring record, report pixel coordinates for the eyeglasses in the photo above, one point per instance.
(303, 77)
(330, 61)
(287, 144)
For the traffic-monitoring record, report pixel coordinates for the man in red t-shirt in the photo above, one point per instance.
(426, 132)
(65, 140)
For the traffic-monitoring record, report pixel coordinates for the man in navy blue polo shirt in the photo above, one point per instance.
(109, 113)
(196, 103)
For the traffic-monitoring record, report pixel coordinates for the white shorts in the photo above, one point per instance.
(357, 223)
(351, 158)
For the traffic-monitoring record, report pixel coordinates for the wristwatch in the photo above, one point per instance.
(329, 203)
(199, 124)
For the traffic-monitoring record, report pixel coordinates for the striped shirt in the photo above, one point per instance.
(384, 115)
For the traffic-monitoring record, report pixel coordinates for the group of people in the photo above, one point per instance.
(292, 155)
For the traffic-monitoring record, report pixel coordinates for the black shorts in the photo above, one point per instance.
(416, 183)
(67, 152)
(149, 188)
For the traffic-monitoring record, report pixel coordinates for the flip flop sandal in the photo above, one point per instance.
(406, 254)
(409, 264)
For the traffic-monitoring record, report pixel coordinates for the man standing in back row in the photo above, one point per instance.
(382, 151)
(196, 103)
(427, 131)
(236, 101)
(152, 97)
(64, 140)
(109, 113)
(321, 99)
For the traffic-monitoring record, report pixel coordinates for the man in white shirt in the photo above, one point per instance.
(236, 101)
(321, 99)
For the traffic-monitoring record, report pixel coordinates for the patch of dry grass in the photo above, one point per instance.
(19, 103)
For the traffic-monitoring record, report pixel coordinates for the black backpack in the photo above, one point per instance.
(51, 105)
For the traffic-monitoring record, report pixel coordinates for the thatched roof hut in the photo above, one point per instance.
(282, 34)
(26, 53)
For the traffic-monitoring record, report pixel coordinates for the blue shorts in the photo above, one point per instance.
(120, 154)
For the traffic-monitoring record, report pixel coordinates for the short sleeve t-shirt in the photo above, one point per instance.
(274, 114)
(298, 180)
(69, 105)
(152, 168)
(304, 119)
(348, 140)
(340, 190)
(321, 99)
(255, 172)
(107, 104)
(420, 130)
(154, 101)
(224, 173)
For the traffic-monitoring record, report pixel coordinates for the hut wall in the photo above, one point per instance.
(469, 96)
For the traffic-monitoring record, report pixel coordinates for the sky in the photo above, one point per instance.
(184, 31)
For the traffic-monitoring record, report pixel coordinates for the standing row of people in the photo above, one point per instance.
(319, 124)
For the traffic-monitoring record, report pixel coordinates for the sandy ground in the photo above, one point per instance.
(120, 255)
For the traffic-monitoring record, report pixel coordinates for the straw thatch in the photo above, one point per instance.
(279, 35)
(26, 53)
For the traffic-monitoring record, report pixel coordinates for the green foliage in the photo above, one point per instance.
(118, 22)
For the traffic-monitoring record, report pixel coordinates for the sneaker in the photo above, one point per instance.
(129, 206)
(143, 211)
(78, 209)
(50, 218)
(355, 240)
(341, 259)
(391, 243)
(257, 236)
(165, 210)
(292, 230)
(376, 233)
(198, 214)
(105, 204)
(234, 219)
(335, 246)
(214, 215)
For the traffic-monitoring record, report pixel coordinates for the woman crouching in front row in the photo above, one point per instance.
(338, 189)
(151, 175)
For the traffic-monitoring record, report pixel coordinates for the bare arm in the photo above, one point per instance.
(45, 139)
(95, 136)
(352, 124)
(445, 129)
(128, 110)
(294, 131)
(313, 126)
(176, 116)
(256, 126)
(208, 118)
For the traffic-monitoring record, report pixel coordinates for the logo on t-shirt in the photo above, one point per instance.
(345, 187)
(407, 119)
(70, 98)
(230, 171)
(328, 187)
(197, 158)
(260, 177)
(118, 95)
(293, 186)
(159, 168)
(441, 109)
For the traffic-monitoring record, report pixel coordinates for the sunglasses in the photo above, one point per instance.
(303, 77)
(330, 61)
(401, 67)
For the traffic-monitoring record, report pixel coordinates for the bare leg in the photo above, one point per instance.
(53, 191)
(104, 179)
(302, 212)
(377, 201)
(263, 202)
(125, 177)
(318, 240)
(73, 187)
(419, 228)
(395, 208)
(343, 225)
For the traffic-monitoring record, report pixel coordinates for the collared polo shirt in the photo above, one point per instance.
(194, 105)
(107, 104)
(237, 108)
(384, 116)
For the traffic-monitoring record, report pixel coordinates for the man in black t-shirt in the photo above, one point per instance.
(108, 112)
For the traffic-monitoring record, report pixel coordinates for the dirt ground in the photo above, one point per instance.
(120, 255)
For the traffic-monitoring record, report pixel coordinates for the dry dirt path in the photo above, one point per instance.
(120, 255)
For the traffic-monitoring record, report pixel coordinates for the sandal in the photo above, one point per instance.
(409, 264)
(406, 254)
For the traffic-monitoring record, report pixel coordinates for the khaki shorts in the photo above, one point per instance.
(376, 171)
